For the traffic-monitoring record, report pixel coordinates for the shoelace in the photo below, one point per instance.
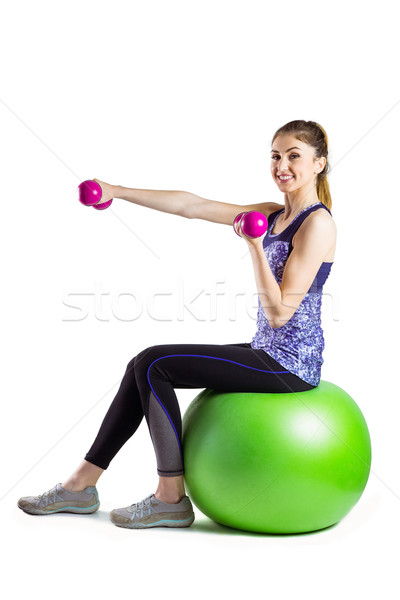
(48, 497)
(142, 508)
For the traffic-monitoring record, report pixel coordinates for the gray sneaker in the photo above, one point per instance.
(58, 499)
(151, 512)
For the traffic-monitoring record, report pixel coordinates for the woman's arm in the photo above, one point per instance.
(186, 204)
(314, 240)
(223, 212)
(174, 202)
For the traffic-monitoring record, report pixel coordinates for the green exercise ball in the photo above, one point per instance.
(276, 462)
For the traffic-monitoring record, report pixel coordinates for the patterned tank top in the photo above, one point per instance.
(299, 343)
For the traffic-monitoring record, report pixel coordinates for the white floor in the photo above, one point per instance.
(87, 556)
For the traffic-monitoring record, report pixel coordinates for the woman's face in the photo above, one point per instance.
(290, 157)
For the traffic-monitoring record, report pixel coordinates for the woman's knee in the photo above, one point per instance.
(131, 364)
(143, 360)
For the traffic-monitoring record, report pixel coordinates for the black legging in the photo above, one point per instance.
(147, 388)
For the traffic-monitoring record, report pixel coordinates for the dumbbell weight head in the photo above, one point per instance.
(253, 224)
(236, 223)
(89, 194)
(103, 205)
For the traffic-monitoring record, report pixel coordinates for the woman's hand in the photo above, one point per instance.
(251, 242)
(107, 191)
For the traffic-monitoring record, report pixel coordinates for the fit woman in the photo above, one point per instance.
(291, 263)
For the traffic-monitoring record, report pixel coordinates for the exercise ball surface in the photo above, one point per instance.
(276, 462)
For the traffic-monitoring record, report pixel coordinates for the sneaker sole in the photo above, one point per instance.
(161, 523)
(70, 509)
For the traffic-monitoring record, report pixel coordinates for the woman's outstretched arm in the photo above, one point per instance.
(174, 202)
(184, 204)
(169, 201)
(223, 212)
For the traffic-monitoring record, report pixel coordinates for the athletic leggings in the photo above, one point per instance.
(147, 389)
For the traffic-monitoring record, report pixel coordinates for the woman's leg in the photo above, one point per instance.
(86, 474)
(174, 366)
(231, 368)
(119, 424)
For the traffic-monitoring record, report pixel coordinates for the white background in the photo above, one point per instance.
(184, 95)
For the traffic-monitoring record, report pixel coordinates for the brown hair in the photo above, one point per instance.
(313, 134)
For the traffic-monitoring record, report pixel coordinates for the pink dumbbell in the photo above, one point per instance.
(253, 224)
(89, 194)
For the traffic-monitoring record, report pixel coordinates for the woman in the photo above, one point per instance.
(291, 264)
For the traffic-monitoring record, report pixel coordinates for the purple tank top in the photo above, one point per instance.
(299, 343)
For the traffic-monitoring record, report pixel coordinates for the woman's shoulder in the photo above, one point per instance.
(317, 220)
(321, 216)
(271, 207)
(266, 208)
